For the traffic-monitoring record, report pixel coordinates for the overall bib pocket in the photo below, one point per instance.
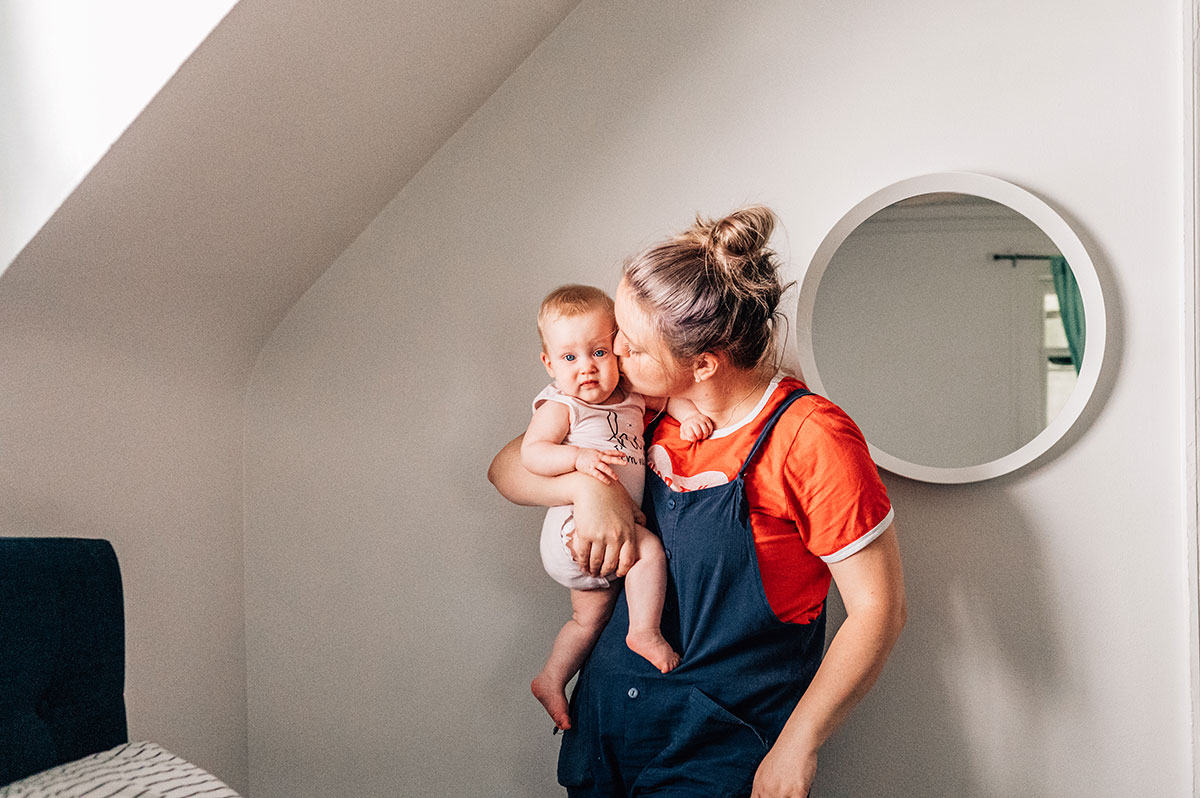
(714, 754)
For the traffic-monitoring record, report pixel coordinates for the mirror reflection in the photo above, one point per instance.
(950, 327)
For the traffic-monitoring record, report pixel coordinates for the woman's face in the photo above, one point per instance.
(645, 360)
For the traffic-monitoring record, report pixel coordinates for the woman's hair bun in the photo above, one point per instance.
(714, 287)
(743, 233)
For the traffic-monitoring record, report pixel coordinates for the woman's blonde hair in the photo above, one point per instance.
(713, 288)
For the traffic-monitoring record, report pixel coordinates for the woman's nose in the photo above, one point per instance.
(620, 348)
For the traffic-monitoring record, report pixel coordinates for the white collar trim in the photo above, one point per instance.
(750, 416)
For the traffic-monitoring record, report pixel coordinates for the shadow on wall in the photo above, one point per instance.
(979, 674)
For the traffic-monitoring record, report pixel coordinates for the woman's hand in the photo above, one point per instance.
(781, 776)
(605, 516)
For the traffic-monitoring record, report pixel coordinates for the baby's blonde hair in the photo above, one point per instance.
(571, 300)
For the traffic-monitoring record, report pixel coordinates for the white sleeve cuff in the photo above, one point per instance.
(864, 541)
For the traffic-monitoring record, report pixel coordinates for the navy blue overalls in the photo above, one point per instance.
(702, 729)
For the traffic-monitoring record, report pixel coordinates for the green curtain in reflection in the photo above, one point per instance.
(1070, 305)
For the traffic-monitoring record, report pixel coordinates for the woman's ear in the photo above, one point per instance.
(705, 366)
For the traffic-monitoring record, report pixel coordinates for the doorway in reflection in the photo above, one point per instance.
(1061, 373)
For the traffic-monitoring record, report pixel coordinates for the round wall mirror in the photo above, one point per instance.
(958, 320)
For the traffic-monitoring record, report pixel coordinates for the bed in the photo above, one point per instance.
(63, 729)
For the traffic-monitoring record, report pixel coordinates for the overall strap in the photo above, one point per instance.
(762, 437)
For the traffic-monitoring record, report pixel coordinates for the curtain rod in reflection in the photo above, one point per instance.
(1015, 258)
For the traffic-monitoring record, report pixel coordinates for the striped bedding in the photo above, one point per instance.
(131, 770)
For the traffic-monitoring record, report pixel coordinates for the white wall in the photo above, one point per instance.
(397, 609)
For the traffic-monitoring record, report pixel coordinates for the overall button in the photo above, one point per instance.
(671, 504)
(633, 692)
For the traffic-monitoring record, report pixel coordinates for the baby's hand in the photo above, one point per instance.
(599, 464)
(696, 427)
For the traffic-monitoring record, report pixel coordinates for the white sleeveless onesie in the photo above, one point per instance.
(616, 426)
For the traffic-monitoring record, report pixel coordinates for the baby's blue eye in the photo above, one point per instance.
(600, 353)
(569, 358)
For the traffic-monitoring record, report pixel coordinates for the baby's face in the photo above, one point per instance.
(579, 355)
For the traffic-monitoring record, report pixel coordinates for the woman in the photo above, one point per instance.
(755, 522)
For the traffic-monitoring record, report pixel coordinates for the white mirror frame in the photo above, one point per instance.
(1059, 233)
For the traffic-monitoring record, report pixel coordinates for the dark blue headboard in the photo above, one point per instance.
(62, 652)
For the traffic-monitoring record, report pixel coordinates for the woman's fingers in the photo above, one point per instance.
(588, 556)
(596, 559)
(612, 557)
(627, 558)
(581, 551)
(603, 520)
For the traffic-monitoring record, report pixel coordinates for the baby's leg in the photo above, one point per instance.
(645, 590)
(590, 610)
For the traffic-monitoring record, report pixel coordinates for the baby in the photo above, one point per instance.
(587, 421)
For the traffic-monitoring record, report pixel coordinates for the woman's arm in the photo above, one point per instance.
(603, 542)
(871, 583)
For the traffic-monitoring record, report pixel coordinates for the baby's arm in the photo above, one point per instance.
(544, 453)
(693, 425)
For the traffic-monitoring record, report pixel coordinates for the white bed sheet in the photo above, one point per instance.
(131, 770)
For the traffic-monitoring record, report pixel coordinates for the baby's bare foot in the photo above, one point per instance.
(553, 697)
(654, 647)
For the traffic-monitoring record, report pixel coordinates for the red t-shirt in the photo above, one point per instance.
(815, 495)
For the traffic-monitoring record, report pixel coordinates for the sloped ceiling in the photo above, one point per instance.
(269, 151)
